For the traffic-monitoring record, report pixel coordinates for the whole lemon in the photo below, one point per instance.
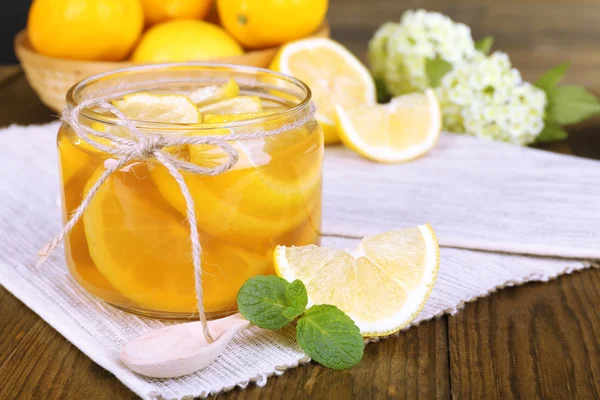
(185, 40)
(264, 23)
(156, 11)
(85, 29)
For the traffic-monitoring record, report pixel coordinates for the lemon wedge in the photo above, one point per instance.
(173, 108)
(382, 285)
(235, 105)
(334, 75)
(208, 94)
(402, 130)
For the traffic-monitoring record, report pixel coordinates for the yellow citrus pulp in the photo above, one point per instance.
(334, 75)
(402, 130)
(382, 285)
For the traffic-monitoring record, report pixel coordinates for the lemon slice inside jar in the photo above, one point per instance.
(272, 189)
(209, 94)
(142, 247)
(174, 108)
(235, 105)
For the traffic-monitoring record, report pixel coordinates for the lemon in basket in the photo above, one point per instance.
(85, 29)
(266, 23)
(185, 40)
(156, 11)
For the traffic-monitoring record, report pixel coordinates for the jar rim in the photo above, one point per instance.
(304, 104)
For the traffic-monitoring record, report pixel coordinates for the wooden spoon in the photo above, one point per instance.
(181, 349)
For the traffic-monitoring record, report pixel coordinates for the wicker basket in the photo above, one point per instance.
(52, 77)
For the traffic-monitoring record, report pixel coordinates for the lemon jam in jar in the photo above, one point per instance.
(132, 245)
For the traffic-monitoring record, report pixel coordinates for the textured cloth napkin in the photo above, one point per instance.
(519, 205)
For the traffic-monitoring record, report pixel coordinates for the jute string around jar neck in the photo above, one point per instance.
(140, 147)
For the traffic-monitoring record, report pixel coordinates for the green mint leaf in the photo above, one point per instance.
(297, 298)
(550, 79)
(330, 337)
(296, 295)
(484, 44)
(552, 132)
(262, 301)
(292, 312)
(571, 104)
(436, 68)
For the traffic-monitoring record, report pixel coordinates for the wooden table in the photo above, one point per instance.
(536, 341)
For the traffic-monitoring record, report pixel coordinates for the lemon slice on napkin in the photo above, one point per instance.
(382, 285)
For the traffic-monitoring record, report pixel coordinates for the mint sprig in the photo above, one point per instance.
(330, 337)
(567, 105)
(324, 332)
(262, 301)
(297, 298)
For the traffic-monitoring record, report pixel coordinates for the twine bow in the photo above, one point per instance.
(141, 147)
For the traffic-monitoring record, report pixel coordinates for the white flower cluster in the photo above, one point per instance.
(398, 52)
(482, 95)
(486, 97)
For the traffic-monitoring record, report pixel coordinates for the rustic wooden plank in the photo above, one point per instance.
(46, 366)
(412, 365)
(539, 341)
(16, 320)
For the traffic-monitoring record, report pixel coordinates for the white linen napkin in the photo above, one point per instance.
(476, 194)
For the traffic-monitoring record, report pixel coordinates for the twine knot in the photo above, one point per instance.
(146, 147)
(137, 146)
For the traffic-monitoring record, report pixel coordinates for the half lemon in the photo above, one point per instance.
(335, 77)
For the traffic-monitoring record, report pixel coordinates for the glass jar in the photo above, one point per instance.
(132, 246)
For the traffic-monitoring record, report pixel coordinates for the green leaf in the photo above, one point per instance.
(292, 312)
(296, 295)
(330, 337)
(571, 104)
(552, 132)
(297, 299)
(262, 300)
(484, 44)
(436, 68)
(551, 78)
